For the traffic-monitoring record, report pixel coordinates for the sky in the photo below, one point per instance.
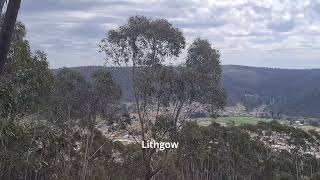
(263, 33)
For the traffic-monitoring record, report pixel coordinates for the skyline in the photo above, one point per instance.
(272, 33)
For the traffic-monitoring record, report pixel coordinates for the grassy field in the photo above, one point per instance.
(241, 120)
(232, 120)
(245, 120)
(307, 128)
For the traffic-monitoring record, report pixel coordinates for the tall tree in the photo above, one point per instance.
(164, 95)
(77, 103)
(27, 80)
(145, 45)
(203, 65)
(7, 30)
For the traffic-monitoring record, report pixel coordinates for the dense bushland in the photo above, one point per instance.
(48, 122)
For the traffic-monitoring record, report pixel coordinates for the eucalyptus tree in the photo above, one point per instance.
(106, 95)
(145, 45)
(74, 106)
(27, 80)
(163, 92)
(25, 85)
(203, 65)
(1, 5)
(7, 30)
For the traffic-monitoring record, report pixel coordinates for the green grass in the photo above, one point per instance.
(241, 120)
(233, 120)
(245, 120)
(307, 128)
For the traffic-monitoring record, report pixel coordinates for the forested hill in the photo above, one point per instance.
(287, 91)
(292, 92)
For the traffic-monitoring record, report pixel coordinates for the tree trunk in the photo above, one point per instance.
(1, 5)
(7, 30)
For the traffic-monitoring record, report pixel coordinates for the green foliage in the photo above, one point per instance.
(75, 99)
(27, 80)
(217, 152)
(241, 120)
(203, 68)
(70, 96)
(254, 87)
(244, 85)
(142, 42)
(48, 124)
(37, 151)
(47, 128)
(285, 176)
(232, 152)
(106, 94)
(315, 176)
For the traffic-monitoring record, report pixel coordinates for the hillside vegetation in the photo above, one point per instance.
(70, 125)
(286, 91)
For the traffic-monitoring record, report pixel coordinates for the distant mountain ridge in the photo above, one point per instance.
(293, 92)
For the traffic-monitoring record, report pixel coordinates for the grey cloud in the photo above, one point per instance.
(282, 26)
(68, 5)
(69, 30)
(267, 39)
(194, 24)
(88, 30)
(314, 11)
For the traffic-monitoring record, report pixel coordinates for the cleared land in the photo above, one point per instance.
(227, 121)
(232, 120)
(241, 120)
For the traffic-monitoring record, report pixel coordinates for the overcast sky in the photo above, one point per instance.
(269, 33)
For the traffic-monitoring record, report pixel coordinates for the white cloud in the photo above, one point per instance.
(245, 28)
